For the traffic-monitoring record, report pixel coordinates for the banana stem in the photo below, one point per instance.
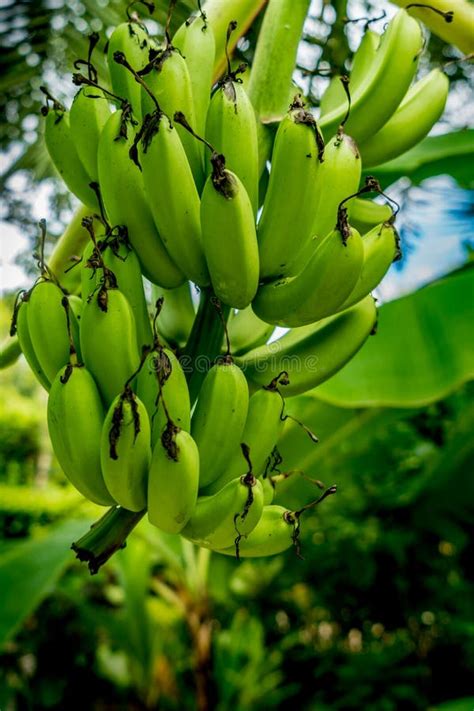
(205, 341)
(105, 537)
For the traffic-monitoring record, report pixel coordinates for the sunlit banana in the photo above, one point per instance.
(224, 519)
(273, 534)
(21, 328)
(312, 354)
(125, 451)
(177, 314)
(75, 417)
(366, 214)
(381, 248)
(229, 236)
(88, 115)
(383, 88)
(109, 341)
(162, 373)
(247, 331)
(231, 128)
(288, 211)
(125, 201)
(133, 40)
(173, 480)
(195, 40)
(421, 108)
(320, 289)
(219, 418)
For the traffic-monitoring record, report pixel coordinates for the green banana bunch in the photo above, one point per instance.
(125, 451)
(421, 108)
(195, 40)
(321, 288)
(21, 328)
(263, 427)
(229, 236)
(384, 86)
(132, 39)
(173, 480)
(62, 150)
(161, 380)
(175, 320)
(109, 338)
(75, 417)
(247, 331)
(366, 214)
(274, 533)
(126, 203)
(168, 80)
(312, 354)
(89, 113)
(381, 249)
(219, 418)
(223, 519)
(288, 211)
(231, 129)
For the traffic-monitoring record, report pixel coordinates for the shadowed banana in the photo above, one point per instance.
(366, 214)
(247, 331)
(176, 317)
(273, 534)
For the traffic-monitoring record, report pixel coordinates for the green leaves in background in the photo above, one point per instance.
(423, 350)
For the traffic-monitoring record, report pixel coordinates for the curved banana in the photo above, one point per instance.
(177, 314)
(62, 151)
(133, 40)
(229, 236)
(421, 108)
(169, 81)
(173, 480)
(247, 331)
(366, 214)
(195, 40)
(273, 534)
(22, 329)
(172, 195)
(162, 373)
(125, 451)
(88, 115)
(75, 417)
(219, 418)
(268, 491)
(288, 211)
(231, 129)
(126, 203)
(383, 88)
(109, 341)
(262, 429)
(381, 249)
(320, 289)
(223, 519)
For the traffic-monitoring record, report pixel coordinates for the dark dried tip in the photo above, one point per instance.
(168, 440)
(281, 379)
(120, 58)
(398, 246)
(297, 103)
(222, 179)
(342, 224)
(67, 374)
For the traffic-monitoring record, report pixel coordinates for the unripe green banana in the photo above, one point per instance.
(177, 314)
(162, 373)
(288, 211)
(383, 88)
(195, 40)
(48, 327)
(268, 492)
(219, 418)
(62, 151)
(247, 331)
(173, 480)
(125, 451)
(133, 40)
(172, 196)
(223, 519)
(75, 417)
(229, 236)
(123, 193)
(231, 128)
(170, 83)
(262, 429)
(273, 534)
(320, 289)
(109, 341)
(366, 214)
(20, 326)
(421, 108)
(88, 115)
(312, 354)
(381, 248)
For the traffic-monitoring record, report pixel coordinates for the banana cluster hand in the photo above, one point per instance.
(171, 167)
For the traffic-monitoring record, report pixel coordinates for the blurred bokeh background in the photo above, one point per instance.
(378, 614)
